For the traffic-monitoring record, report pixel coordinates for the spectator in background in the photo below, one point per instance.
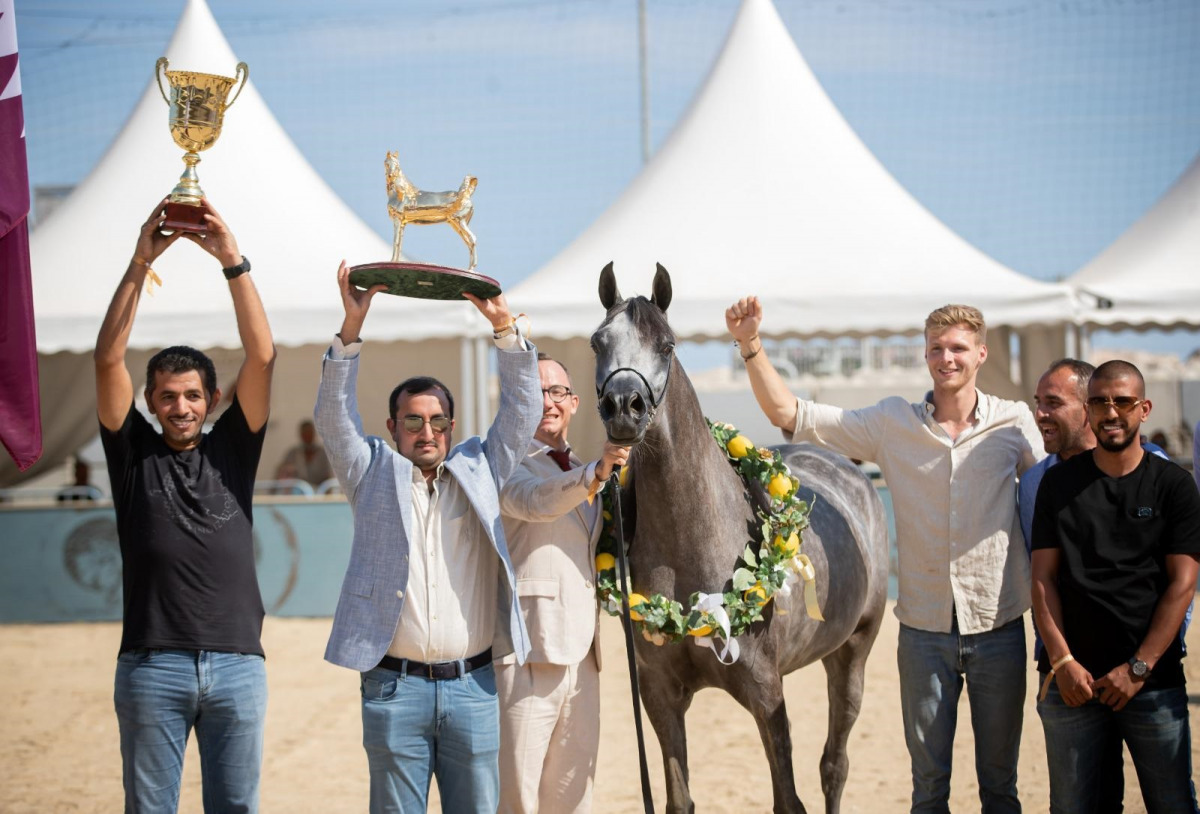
(307, 460)
(82, 488)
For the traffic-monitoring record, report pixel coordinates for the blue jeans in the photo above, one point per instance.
(1154, 726)
(160, 695)
(416, 728)
(932, 669)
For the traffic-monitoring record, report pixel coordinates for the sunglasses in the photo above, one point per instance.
(556, 392)
(1122, 404)
(414, 423)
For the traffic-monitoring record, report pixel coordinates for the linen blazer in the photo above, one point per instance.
(552, 533)
(377, 481)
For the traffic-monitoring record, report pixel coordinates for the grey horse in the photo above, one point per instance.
(688, 516)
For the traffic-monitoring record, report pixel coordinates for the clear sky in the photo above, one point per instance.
(1038, 130)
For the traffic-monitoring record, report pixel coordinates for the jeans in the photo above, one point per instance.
(160, 695)
(416, 728)
(932, 669)
(1154, 726)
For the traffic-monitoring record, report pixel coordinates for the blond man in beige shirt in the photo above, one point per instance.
(951, 462)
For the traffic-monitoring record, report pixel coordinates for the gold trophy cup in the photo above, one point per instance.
(197, 103)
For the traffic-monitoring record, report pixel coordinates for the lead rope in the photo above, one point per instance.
(627, 623)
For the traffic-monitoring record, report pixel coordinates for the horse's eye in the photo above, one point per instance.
(668, 349)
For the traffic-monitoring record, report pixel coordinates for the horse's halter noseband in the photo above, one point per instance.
(654, 402)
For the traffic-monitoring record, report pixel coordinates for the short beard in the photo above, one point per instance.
(1116, 446)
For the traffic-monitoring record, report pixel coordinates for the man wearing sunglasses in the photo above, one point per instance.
(550, 706)
(1116, 550)
(430, 583)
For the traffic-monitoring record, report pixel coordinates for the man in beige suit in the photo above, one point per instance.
(550, 706)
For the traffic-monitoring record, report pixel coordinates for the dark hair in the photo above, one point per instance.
(181, 359)
(1120, 369)
(418, 384)
(1082, 371)
(545, 357)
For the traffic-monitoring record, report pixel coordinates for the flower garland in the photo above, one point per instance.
(763, 570)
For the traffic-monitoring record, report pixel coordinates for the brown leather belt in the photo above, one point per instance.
(440, 671)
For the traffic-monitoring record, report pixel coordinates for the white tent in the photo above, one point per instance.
(763, 188)
(286, 219)
(1151, 273)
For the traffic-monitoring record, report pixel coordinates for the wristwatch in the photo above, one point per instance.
(238, 270)
(1139, 668)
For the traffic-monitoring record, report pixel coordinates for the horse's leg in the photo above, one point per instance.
(844, 672)
(665, 702)
(397, 235)
(760, 690)
(467, 236)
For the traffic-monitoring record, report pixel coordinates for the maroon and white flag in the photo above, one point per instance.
(20, 406)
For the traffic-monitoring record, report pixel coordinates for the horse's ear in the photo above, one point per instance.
(661, 289)
(609, 295)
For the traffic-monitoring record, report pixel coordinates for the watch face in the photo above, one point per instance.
(1139, 668)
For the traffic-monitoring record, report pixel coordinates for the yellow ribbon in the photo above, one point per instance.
(152, 277)
(809, 575)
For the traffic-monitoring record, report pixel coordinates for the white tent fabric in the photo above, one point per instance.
(763, 188)
(1151, 273)
(287, 220)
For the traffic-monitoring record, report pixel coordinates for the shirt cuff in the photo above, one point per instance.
(513, 342)
(339, 351)
(589, 477)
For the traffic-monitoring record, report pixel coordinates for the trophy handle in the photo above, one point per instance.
(159, 69)
(242, 70)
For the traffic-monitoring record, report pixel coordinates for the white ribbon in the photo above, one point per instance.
(803, 567)
(714, 606)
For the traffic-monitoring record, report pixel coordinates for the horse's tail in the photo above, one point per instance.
(468, 185)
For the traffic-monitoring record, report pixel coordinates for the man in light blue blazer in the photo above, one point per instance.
(429, 596)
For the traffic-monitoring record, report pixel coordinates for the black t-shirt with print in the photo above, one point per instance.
(1114, 534)
(185, 526)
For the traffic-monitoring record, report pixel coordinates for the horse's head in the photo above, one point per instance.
(635, 349)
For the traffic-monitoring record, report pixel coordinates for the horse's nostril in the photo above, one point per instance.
(636, 404)
(608, 406)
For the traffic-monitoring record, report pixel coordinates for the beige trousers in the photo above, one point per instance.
(549, 735)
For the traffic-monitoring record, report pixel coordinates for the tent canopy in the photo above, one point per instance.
(1151, 273)
(763, 188)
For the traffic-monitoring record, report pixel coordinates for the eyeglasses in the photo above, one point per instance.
(414, 423)
(556, 392)
(1122, 404)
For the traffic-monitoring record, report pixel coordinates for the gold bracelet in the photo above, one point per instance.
(1050, 676)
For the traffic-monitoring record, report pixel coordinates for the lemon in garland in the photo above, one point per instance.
(604, 562)
(739, 446)
(700, 630)
(755, 594)
(634, 601)
(789, 546)
(780, 486)
(623, 477)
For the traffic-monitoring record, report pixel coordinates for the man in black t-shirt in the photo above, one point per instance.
(190, 653)
(1116, 550)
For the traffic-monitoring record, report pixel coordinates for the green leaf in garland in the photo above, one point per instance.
(743, 578)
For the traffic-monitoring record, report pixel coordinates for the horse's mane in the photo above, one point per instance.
(648, 319)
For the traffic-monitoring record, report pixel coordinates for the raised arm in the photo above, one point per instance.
(743, 319)
(254, 377)
(337, 415)
(520, 409)
(114, 385)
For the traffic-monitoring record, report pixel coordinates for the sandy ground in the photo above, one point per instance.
(59, 751)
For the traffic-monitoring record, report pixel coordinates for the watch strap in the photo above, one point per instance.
(238, 270)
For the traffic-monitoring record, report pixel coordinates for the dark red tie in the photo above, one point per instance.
(562, 457)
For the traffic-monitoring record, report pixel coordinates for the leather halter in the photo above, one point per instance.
(654, 402)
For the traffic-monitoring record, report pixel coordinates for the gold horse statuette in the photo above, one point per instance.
(407, 204)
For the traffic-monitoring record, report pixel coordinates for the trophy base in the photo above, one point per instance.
(424, 281)
(185, 218)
